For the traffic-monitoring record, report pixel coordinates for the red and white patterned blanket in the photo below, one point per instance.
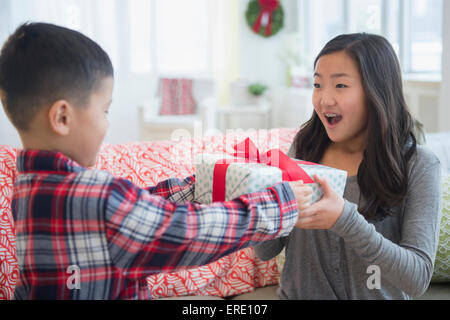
(145, 164)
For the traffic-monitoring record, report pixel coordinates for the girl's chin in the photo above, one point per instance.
(337, 138)
(345, 139)
(334, 137)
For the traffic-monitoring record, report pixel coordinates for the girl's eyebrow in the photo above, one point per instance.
(336, 75)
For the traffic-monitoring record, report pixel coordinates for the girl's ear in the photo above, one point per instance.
(60, 117)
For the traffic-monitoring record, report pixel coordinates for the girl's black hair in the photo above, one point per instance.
(41, 63)
(391, 142)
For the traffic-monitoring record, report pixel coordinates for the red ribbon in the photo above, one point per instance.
(267, 9)
(249, 153)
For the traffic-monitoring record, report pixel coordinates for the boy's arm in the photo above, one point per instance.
(175, 190)
(148, 234)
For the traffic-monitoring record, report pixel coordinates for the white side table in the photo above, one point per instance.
(259, 113)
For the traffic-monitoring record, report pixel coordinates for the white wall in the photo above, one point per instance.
(129, 92)
(260, 62)
(260, 57)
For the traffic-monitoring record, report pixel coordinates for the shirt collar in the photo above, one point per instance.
(30, 160)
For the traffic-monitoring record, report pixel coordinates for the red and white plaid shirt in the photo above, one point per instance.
(84, 234)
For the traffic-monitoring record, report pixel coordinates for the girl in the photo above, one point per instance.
(379, 240)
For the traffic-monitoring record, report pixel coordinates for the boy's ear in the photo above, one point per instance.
(60, 117)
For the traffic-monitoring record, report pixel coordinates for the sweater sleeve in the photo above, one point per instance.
(270, 249)
(407, 265)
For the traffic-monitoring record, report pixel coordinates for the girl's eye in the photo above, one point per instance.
(316, 85)
(341, 86)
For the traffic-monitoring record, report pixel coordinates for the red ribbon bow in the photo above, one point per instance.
(249, 153)
(267, 9)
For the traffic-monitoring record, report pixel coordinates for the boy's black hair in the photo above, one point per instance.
(42, 63)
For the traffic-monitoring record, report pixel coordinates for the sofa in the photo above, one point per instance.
(240, 275)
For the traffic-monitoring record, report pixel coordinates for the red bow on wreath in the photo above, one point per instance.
(265, 15)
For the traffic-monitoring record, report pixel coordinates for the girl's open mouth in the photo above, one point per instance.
(333, 119)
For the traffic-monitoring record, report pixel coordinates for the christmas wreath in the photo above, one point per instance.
(265, 17)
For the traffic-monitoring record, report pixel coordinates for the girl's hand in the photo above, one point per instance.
(324, 213)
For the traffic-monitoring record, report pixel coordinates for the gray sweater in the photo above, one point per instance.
(345, 261)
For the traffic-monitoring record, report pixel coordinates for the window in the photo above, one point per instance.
(104, 26)
(324, 24)
(182, 39)
(365, 15)
(414, 27)
(141, 30)
(141, 36)
(426, 35)
(96, 19)
(169, 36)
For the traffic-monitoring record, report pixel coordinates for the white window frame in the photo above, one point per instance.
(403, 19)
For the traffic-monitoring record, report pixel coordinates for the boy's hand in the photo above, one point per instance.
(324, 213)
(303, 194)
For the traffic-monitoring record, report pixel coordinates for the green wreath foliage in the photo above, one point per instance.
(252, 14)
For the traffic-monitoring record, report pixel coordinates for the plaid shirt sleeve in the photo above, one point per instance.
(148, 234)
(175, 190)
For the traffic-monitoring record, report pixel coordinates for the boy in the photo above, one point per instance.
(56, 88)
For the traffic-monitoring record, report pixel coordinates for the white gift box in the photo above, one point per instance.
(243, 178)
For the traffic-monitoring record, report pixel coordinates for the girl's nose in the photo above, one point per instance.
(327, 99)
